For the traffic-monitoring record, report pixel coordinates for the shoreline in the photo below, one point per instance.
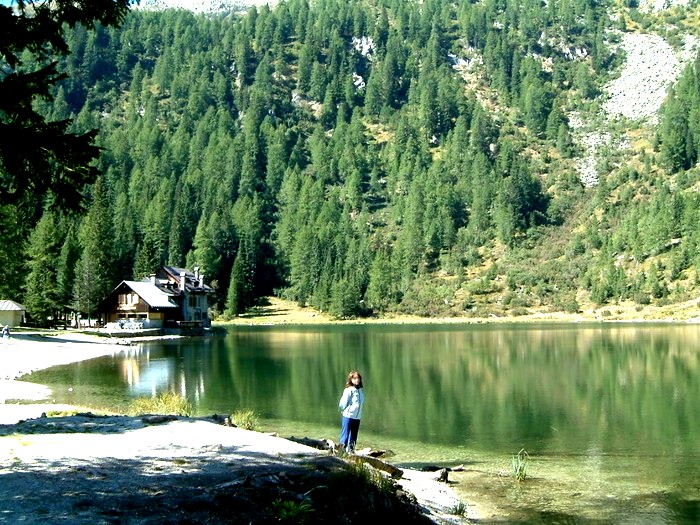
(281, 312)
(26, 352)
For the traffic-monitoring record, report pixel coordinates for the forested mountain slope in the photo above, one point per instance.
(373, 157)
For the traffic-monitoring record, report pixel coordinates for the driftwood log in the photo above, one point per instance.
(364, 455)
(320, 444)
(393, 471)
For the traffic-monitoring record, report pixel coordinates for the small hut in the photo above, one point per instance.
(11, 313)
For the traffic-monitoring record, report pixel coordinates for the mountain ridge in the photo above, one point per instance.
(439, 175)
(202, 6)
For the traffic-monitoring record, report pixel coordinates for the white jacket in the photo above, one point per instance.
(351, 402)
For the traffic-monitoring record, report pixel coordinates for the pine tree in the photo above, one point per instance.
(40, 157)
(41, 298)
(239, 295)
(380, 295)
(95, 276)
(13, 233)
(674, 132)
(66, 270)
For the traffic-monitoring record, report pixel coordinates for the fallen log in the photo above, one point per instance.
(393, 471)
(320, 444)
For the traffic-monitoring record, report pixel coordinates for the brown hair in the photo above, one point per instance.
(350, 376)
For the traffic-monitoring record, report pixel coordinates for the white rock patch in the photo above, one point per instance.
(652, 66)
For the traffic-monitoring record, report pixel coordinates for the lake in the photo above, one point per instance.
(608, 413)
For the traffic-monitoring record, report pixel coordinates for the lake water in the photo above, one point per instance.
(609, 413)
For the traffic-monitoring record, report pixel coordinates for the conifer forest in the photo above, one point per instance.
(362, 157)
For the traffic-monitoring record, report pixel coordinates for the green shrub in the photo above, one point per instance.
(570, 305)
(481, 286)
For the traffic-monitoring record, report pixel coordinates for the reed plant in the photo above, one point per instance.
(460, 509)
(520, 464)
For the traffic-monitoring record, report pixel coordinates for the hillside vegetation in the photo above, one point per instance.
(367, 158)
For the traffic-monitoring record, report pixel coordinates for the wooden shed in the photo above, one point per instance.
(11, 313)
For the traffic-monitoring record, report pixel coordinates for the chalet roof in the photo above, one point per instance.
(151, 294)
(193, 280)
(7, 305)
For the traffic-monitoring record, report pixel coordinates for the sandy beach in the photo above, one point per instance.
(30, 442)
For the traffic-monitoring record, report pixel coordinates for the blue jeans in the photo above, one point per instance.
(348, 432)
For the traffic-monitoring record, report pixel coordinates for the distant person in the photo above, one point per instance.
(351, 407)
(6, 332)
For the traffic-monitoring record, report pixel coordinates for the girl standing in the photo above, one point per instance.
(351, 407)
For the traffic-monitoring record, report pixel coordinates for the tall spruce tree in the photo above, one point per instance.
(66, 270)
(96, 276)
(42, 292)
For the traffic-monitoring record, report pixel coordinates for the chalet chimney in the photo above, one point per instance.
(196, 272)
(153, 279)
(201, 280)
(182, 280)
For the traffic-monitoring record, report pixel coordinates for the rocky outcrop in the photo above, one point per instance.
(652, 65)
(202, 6)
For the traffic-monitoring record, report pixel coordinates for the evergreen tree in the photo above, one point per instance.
(14, 234)
(95, 276)
(674, 132)
(41, 297)
(239, 295)
(39, 156)
(380, 295)
(66, 270)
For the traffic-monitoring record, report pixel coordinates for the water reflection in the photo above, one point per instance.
(615, 388)
(613, 403)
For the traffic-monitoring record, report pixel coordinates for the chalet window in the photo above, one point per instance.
(193, 301)
(122, 298)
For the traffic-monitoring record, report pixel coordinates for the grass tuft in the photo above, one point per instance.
(246, 419)
(168, 403)
(360, 474)
(297, 512)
